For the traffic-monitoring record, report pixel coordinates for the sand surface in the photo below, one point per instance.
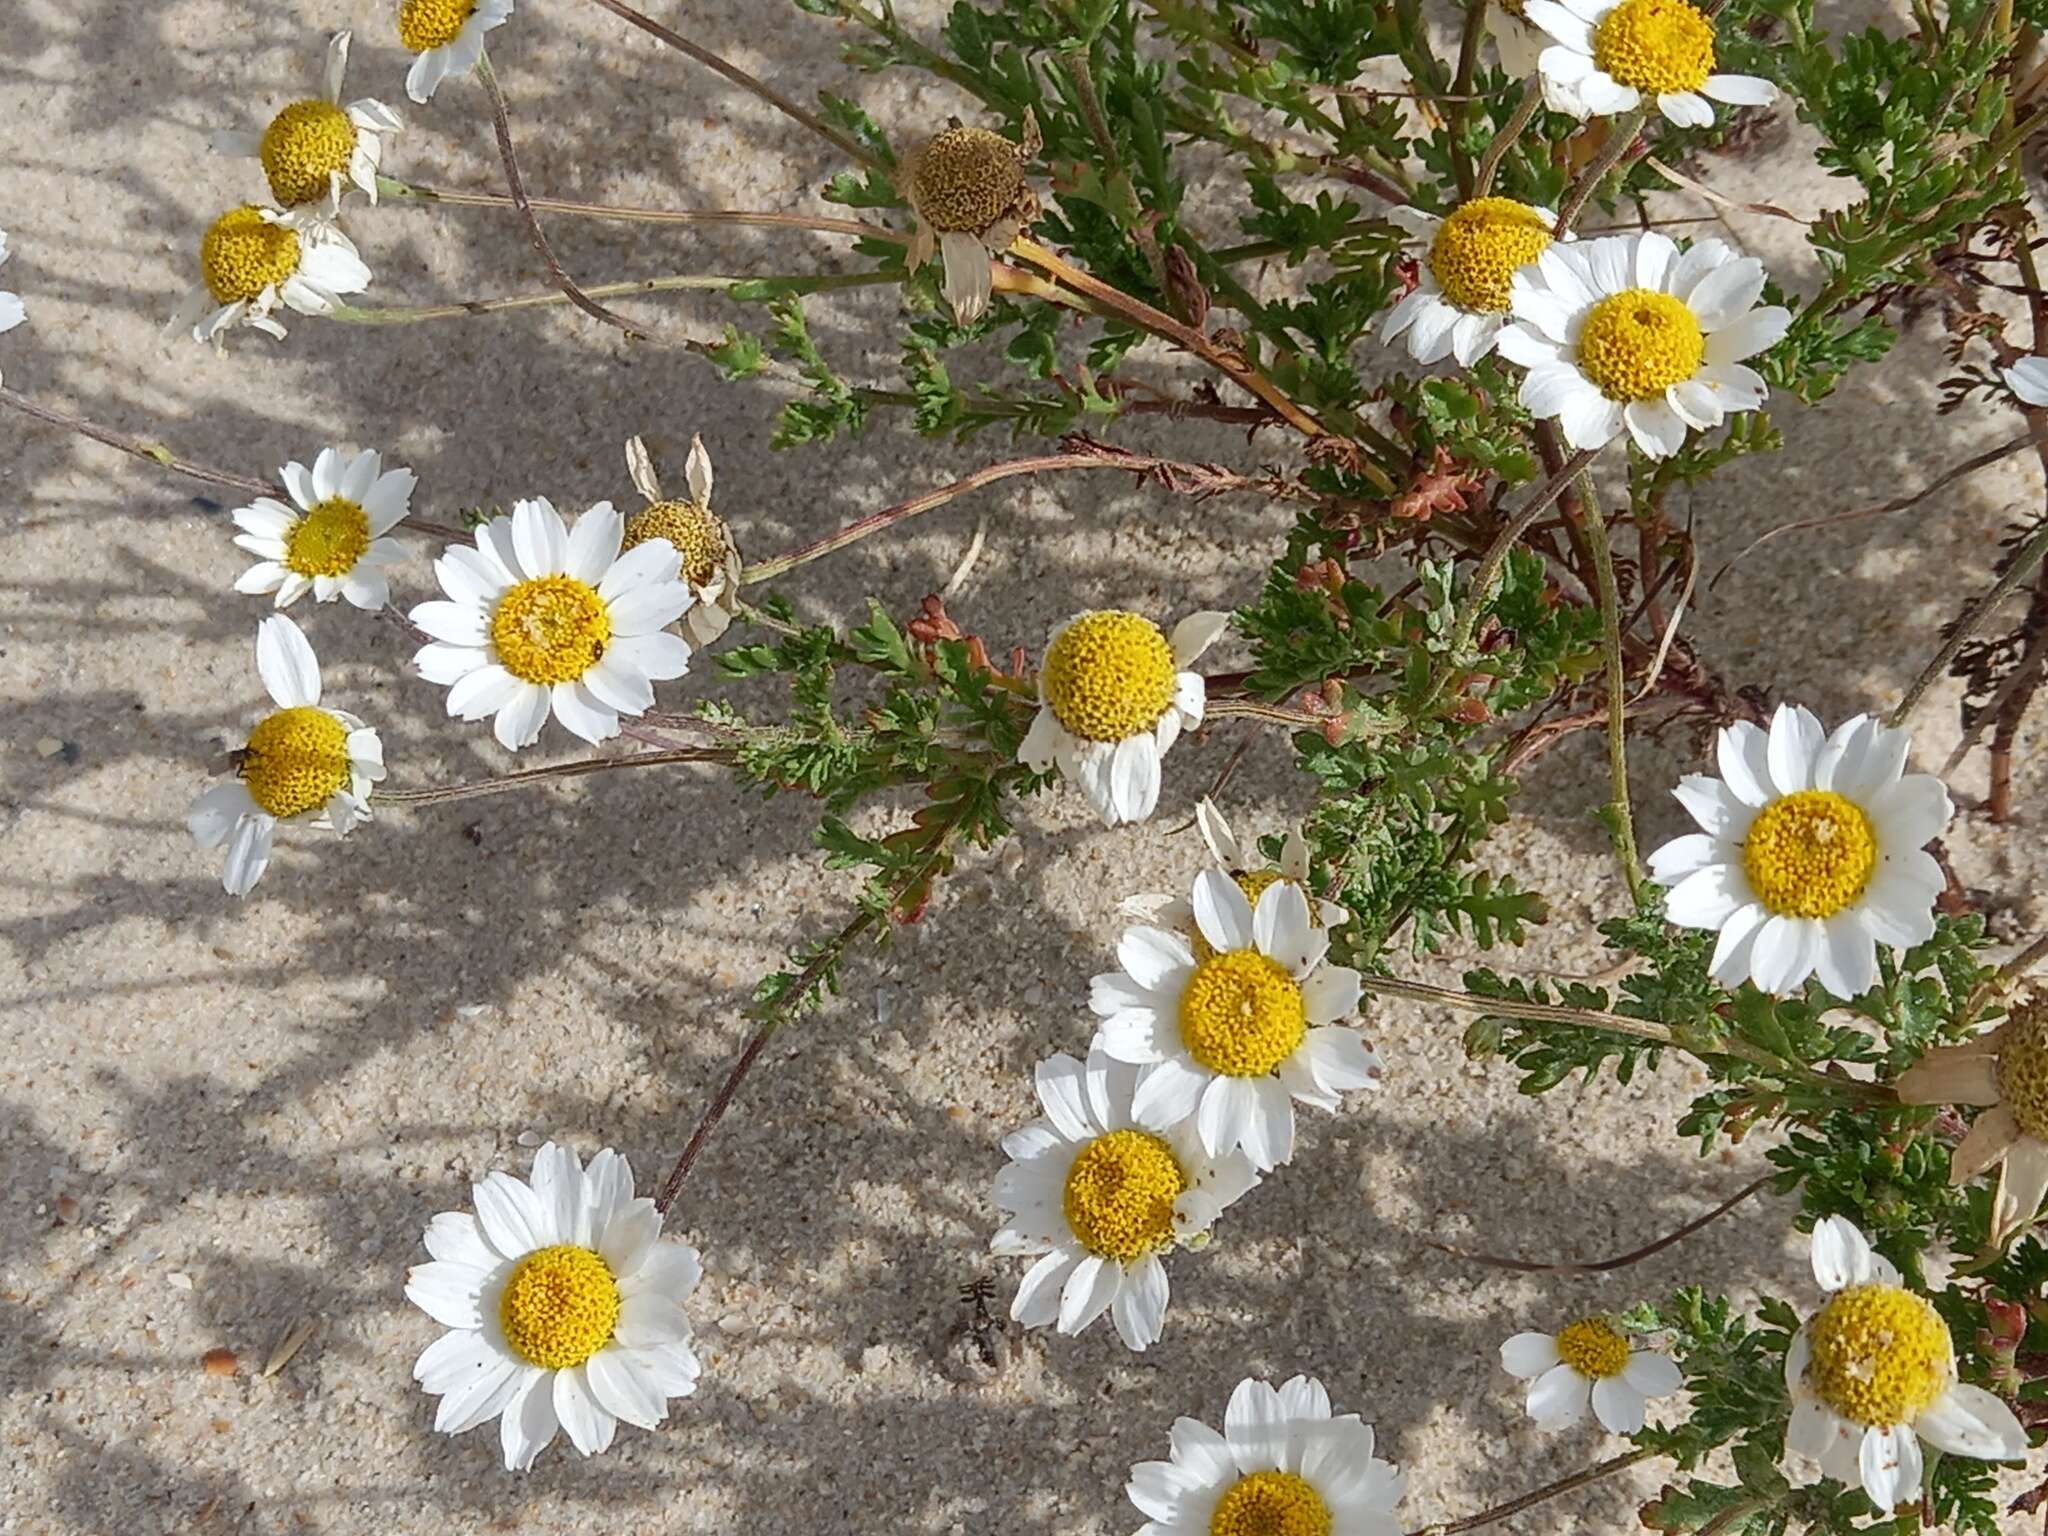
(219, 1121)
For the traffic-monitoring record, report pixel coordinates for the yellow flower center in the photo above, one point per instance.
(296, 760)
(1593, 1348)
(965, 180)
(1657, 46)
(1109, 675)
(1271, 1504)
(244, 253)
(1809, 854)
(424, 24)
(329, 540)
(1478, 250)
(551, 630)
(2023, 1068)
(559, 1307)
(1638, 343)
(1255, 883)
(1120, 1194)
(306, 144)
(1881, 1355)
(697, 536)
(1241, 1014)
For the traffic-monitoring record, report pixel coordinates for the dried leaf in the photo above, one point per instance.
(293, 1341)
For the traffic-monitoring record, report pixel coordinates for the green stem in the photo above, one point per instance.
(1460, 112)
(1524, 114)
(1621, 139)
(1617, 722)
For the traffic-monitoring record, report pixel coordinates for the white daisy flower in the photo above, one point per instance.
(540, 619)
(2005, 1070)
(1101, 1193)
(1463, 288)
(563, 1305)
(2027, 378)
(1811, 854)
(12, 310)
(332, 543)
(1588, 1361)
(302, 763)
(1611, 54)
(710, 559)
(1873, 1374)
(967, 192)
(1178, 913)
(1624, 331)
(448, 36)
(253, 260)
(1283, 1466)
(316, 147)
(1521, 45)
(1236, 1025)
(1113, 696)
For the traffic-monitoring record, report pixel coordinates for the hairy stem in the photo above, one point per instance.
(413, 192)
(1489, 161)
(1592, 1474)
(1624, 828)
(1623, 135)
(413, 314)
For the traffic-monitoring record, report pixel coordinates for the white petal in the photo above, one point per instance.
(1154, 958)
(540, 540)
(1727, 293)
(520, 719)
(1063, 1092)
(1195, 634)
(1652, 1374)
(1559, 1397)
(513, 1220)
(1139, 1311)
(1740, 90)
(1528, 1355)
(1795, 743)
(594, 544)
(1841, 1254)
(452, 623)
(588, 1426)
(1787, 951)
(1617, 1405)
(528, 1424)
(1743, 753)
(1037, 1302)
(216, 813)
(1256, 1426)
(1969, 1421)
(1848, 958)
(1757, 331)
(248, 854)
(1222, 913)
(2028, 379)
(1134, 778)
(1716, 808)
(1890, 1462)
(1088, 1292)
(619, 1390)
(285, 661)
(582, 713)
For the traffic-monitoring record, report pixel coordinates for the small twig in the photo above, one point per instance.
(414, 192)
(1489, 162)
(1766, 210)
(501, 124)
(1624, 829)
(1623, 1261)
(1623, 134)
(526, 778)
(1460, 97)
(413, 314)
(2023, 562)
(1515, 1506)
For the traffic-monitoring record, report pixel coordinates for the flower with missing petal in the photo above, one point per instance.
(330, 542)
(1873, 1375)
(2004, 1070)
(1464, 282)
(703, 543)
(1100, 1193)
(1588, 1362)
(1611, 55)
(1178, 913)
(1811, 853)
(1625, 332)
(254, 260)
(448, 38)
(540, 620)
(1114, 695)
(1235, 1025)
(1283, 1466)
(302, 763)
(316, 147)
(966, 189)
(564, 1308)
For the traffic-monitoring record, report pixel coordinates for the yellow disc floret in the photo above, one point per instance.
(965, 180)
(329, 540)
(305, 145)
(1638, 343)
(1809, 854)
(1271, 1504)
(296, 760)
(424, 24)
(1109, 675)
(2023, 1067)
(559, 1307)
(1479, 248)
(245, 253)
(1657, 46)
(1593, 1348)
(698, 536)
(1241, 1014)
(1881, 1355)
(1120, 1194)
(551, 630)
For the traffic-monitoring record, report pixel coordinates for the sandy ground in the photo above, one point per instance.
(219, 1121)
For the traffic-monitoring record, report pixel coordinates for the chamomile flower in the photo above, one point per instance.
(1463, 288)
(966, 188)
(302, 763)
(1099, 1193)
(331, 541)
(1624, 331)
(1588, 1361)
(12, 310)
(1113, 696)
(710, 559)
(1521, 45)
(1611, 54)
(316, 147)
(447, 36)
(563, 1305)
(252, 260)
(540, 619)
(1234, 1027)
(1178, 913)
(1811, 854)
(1283, 1466)
(1873, 1374)
(2006, 1071)
(2027, 378)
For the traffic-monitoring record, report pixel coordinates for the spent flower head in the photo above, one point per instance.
(2005, 1071)
(709, 559)
(446, 37)
(966, 188)
(253, 260)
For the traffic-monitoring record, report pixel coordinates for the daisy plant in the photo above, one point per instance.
(318, 146)
(332, 539)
